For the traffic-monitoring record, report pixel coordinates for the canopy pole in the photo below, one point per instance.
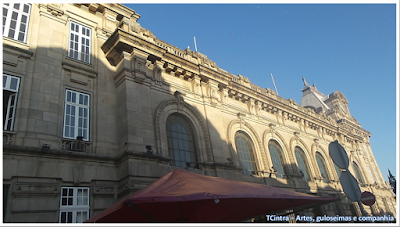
(128, 203)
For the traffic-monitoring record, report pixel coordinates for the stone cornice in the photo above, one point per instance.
(186, 63)
(36, 151)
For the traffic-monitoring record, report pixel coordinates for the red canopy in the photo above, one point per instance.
(181, 196)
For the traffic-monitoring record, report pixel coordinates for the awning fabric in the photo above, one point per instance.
(181, 196)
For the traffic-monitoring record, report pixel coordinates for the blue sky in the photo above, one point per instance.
(340, 47)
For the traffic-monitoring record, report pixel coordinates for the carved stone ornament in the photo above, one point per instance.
(54, 9)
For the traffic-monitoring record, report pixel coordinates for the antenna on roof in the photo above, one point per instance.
(195, 45)
(276, 90)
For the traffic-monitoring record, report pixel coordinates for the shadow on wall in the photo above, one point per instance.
(119, 112)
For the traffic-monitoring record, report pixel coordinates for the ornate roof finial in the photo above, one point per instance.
(304, 81)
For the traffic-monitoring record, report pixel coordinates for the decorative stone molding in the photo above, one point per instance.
(33, 188)
(54, 9)
(241, 119)
(179, 96)
(157, 72)
(213, 91)
(241, 125)
(196, 88)
(316, 147)
(297, 141)
(75, 145)
(197, 120)
(273, 134)
(223, 94)
(251, 106)
(103, 190)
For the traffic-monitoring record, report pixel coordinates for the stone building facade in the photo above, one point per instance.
(95, 107)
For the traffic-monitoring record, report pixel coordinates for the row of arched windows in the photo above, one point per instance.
(182, 150)
(245, 149)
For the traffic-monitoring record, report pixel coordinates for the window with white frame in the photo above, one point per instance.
(74, 204)
(79, 42)
(76, 115)
(10, 94)
(15, 20)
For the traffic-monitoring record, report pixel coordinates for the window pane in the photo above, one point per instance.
(80, 100)
(21, 36)
(64, 202)
(64, 192)
(11, 34)
(23, 19)
(73, 94)
(178, 139)
(72, 132)
(322, 167)
(69, 217)
(276, 152)
(13, 25)
(26, 8)
(358, 173)
(244, 147)
(4, 81)
(302, 163)
(70, 201)
(63, 217)
(14, 16)
(16, 6)
(182, 156)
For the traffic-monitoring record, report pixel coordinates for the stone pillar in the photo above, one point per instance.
(134, 99)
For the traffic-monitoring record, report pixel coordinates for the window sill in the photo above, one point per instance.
(13, 42)
(79, 61)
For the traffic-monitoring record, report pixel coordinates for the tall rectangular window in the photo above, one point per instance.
(74, 204)
(76, 115)
(15, 20)
(79, 42)
(10, 94)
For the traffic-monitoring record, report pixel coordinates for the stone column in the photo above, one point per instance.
(134, 99)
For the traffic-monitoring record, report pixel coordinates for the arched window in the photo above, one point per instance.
(358, 173)
(244, 147)
(302, 163)
(322, 167)
(276, 152)
(337, 169)
(181, 144)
